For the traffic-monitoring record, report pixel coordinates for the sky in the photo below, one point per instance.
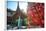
(13, 5)
(23, 5)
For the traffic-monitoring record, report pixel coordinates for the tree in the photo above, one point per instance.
(36, 12)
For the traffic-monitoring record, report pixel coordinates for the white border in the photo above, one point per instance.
(3, 16)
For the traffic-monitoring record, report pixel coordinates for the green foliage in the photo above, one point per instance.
(25, 21)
